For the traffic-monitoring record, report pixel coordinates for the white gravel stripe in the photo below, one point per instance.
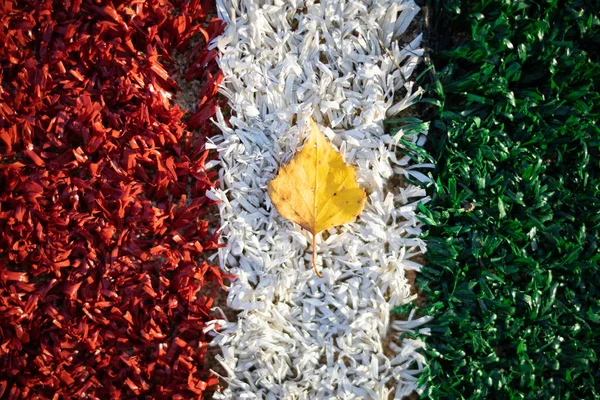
(299, 336)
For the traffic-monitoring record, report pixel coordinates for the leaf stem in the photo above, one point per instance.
(314, 255)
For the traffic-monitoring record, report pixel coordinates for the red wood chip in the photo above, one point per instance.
(102, 199)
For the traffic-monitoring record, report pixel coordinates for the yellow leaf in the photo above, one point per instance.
(317, 189)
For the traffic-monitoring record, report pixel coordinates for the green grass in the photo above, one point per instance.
(513, 284)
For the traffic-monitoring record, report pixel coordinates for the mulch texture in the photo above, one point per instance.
(103, 239)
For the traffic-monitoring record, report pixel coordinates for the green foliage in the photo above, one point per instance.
(513, 284)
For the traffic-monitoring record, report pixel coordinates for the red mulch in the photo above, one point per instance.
(102, 200)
